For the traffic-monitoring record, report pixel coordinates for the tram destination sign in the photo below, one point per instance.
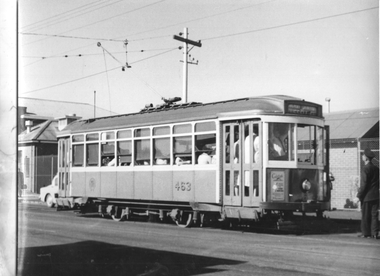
(303, 109)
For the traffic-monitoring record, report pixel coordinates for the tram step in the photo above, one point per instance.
(64, 203)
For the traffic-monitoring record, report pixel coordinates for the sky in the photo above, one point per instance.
(313, 50)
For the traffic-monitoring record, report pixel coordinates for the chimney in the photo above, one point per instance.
(66, 120)
(28, 125)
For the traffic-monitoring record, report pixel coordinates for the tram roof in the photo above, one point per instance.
(270, 105)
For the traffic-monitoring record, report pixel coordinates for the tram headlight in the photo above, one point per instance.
(306, 185)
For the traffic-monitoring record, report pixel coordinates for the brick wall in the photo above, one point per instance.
(344, 166)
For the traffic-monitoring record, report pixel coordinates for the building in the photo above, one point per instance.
(350, 133)
(41, 110)
(38, 123)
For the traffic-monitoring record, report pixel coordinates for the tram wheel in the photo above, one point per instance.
(117, 218)
(184, 220)
(118, 215)
(49, 201)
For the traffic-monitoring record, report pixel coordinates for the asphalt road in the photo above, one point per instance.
(64, 243)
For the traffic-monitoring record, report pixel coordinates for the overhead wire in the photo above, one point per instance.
(93, 38)
(92, 75)
(42, 21)
(289, 24)
(99, 21)
(123, 68)
(155, 55)
(202, 18)
(83, 55)
(108, 82)
(74, 37)
(218, 37)
(171, 26)
(71, 16)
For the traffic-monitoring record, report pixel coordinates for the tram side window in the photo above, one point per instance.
(124, 134)
(182, 151)
(108, 149)
(227, 144)
(256, 186)
(161, 151)
(92, 153)
(161, 146)
(251, 139)
(124, 152)
(78, 138)
(142, 147)
(108, 154)
(78, 155)
(207, 126)
(205, 149)
(92, 137)
(142, 152)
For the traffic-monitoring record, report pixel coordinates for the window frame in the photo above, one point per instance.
(130, 136)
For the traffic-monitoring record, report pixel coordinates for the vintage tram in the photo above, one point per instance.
(241, 159)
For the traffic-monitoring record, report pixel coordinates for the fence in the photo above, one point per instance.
(346, 164)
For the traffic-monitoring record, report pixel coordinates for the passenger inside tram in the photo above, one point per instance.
(278, 141)
(204, 159)
(236, 145)
(255, 142)
(183, 160)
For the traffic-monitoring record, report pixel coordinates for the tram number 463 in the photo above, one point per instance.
(183, 186)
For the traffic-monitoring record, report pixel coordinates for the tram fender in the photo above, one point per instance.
(196, 206)
(81, 200)
(242, 213)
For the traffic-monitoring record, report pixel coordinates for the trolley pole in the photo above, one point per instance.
(186, 41)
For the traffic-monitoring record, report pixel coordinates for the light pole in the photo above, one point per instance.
(328, 104)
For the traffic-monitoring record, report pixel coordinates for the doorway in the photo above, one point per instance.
(242, 163)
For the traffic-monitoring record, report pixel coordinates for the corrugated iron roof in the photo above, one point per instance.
(53, 108)
(351, 124)
(46, 131)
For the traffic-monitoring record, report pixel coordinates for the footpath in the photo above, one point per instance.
(346, 214)
(29, 197)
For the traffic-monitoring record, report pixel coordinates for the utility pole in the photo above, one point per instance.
(186, 41)
(94, 104)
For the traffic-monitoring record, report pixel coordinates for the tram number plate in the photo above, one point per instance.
(183, 186)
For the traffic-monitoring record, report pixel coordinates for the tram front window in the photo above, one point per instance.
(281, 138)
(310, 144)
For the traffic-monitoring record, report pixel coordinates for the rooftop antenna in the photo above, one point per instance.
(185, 59)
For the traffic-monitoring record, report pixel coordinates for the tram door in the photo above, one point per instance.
(242, 163)
(63, 166)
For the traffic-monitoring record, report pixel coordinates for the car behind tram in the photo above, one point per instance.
(243, 159)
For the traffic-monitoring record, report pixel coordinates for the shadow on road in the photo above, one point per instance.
(98, 258)
(309, 226)
(297, 225)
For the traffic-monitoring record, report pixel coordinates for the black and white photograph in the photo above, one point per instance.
(167, 137)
